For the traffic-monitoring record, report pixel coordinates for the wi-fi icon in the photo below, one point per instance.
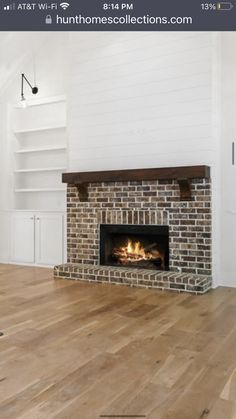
(64, 5)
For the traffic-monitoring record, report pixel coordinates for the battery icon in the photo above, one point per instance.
(225, 5)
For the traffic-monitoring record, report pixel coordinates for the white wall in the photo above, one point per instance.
(228, 171)
(140, 100)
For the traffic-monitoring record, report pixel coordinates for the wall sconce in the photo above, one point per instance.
(34, 89)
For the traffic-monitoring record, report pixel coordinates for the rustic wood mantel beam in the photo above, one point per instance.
(182, 174)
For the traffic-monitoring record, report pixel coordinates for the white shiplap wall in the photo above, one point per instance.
(140, 100)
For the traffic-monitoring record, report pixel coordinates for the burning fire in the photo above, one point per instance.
(135, 252)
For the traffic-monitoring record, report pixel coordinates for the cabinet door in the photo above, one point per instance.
(49, 239)
(22, 238)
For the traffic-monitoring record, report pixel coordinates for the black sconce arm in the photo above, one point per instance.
(33, 89)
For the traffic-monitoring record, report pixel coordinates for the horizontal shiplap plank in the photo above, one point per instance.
(138, 100)
(175, 97)
(140, 149)
(141, 161)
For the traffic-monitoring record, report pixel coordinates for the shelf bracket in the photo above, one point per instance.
(83, 191)
(185, 189)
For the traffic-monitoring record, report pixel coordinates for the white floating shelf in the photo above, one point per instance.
(46, 169)
(38, 150)
(39, 129)
(42, 101)
(40, 190)
(33, 209)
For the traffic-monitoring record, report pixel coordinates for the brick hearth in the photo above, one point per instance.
(163, 280)
(142, 202)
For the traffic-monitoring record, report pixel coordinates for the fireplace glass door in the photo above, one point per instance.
(135, 246)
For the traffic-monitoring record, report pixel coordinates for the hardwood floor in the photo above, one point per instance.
(75, 350)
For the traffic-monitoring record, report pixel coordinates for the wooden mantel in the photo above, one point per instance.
(183, 175)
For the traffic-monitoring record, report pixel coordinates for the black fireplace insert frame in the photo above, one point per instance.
(135, 230)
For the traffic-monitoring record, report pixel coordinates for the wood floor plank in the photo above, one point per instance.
(78, 350)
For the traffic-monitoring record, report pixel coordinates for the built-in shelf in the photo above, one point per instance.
(39, 145)
(40, 190)
(31, 130)
(38, 150)
(46, 169)
(42, 101)
(33, 209)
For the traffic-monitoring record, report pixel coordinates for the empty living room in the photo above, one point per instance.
(118, 210)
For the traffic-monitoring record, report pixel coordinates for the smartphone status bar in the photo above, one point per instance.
(135, 15)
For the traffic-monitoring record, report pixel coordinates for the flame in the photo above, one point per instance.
(134, 248)
(135, 251)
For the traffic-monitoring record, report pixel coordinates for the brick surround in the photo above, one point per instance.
(143, 202)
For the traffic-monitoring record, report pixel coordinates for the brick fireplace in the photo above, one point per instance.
(138, 203)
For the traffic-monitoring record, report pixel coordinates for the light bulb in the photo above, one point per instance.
(23, 102)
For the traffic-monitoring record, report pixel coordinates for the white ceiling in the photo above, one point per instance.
(15, 48)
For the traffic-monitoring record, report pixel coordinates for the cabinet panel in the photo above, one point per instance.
(228, 249)
(22, 238)
(5, 239)
(49, 239)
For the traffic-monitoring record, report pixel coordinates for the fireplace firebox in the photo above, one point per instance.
(137, 246)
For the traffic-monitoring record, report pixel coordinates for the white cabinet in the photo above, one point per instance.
(49, 239)
(23, 238)
(37, 238)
